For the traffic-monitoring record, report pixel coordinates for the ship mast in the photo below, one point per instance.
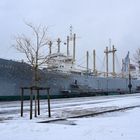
(68, 39)
(107, 51)
(113, 53)
(87, 61)
(50, 47)
(94, 62)
(73, 39)
(58, 43)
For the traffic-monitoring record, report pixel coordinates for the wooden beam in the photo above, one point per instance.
(31, 102)
(22, 95)
(49, 108)
(38, 98)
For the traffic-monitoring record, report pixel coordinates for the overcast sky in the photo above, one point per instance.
(94, 21)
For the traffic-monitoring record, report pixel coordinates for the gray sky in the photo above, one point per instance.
(94, 21)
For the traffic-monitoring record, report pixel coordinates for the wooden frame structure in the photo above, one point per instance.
(37, 99)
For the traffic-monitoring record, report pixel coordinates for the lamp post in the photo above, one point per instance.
(130, 84)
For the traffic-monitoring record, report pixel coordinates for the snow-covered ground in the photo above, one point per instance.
(123, 125)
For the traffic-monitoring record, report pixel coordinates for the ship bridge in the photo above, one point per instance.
(60, 62)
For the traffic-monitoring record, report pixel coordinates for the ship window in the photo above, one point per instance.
(61, 66)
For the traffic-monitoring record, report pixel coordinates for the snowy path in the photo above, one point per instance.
(70, 107)
(124, 125)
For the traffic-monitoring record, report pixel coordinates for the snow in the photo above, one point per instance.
(122, 125)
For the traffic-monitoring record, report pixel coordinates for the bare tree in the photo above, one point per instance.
(33, 47)
(136, 57)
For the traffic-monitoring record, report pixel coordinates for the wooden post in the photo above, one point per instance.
(35, 103)
(38, 101)
(22, 92)
(49, 108)
(31, 102)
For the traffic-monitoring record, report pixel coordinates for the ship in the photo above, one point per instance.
(65, 79)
